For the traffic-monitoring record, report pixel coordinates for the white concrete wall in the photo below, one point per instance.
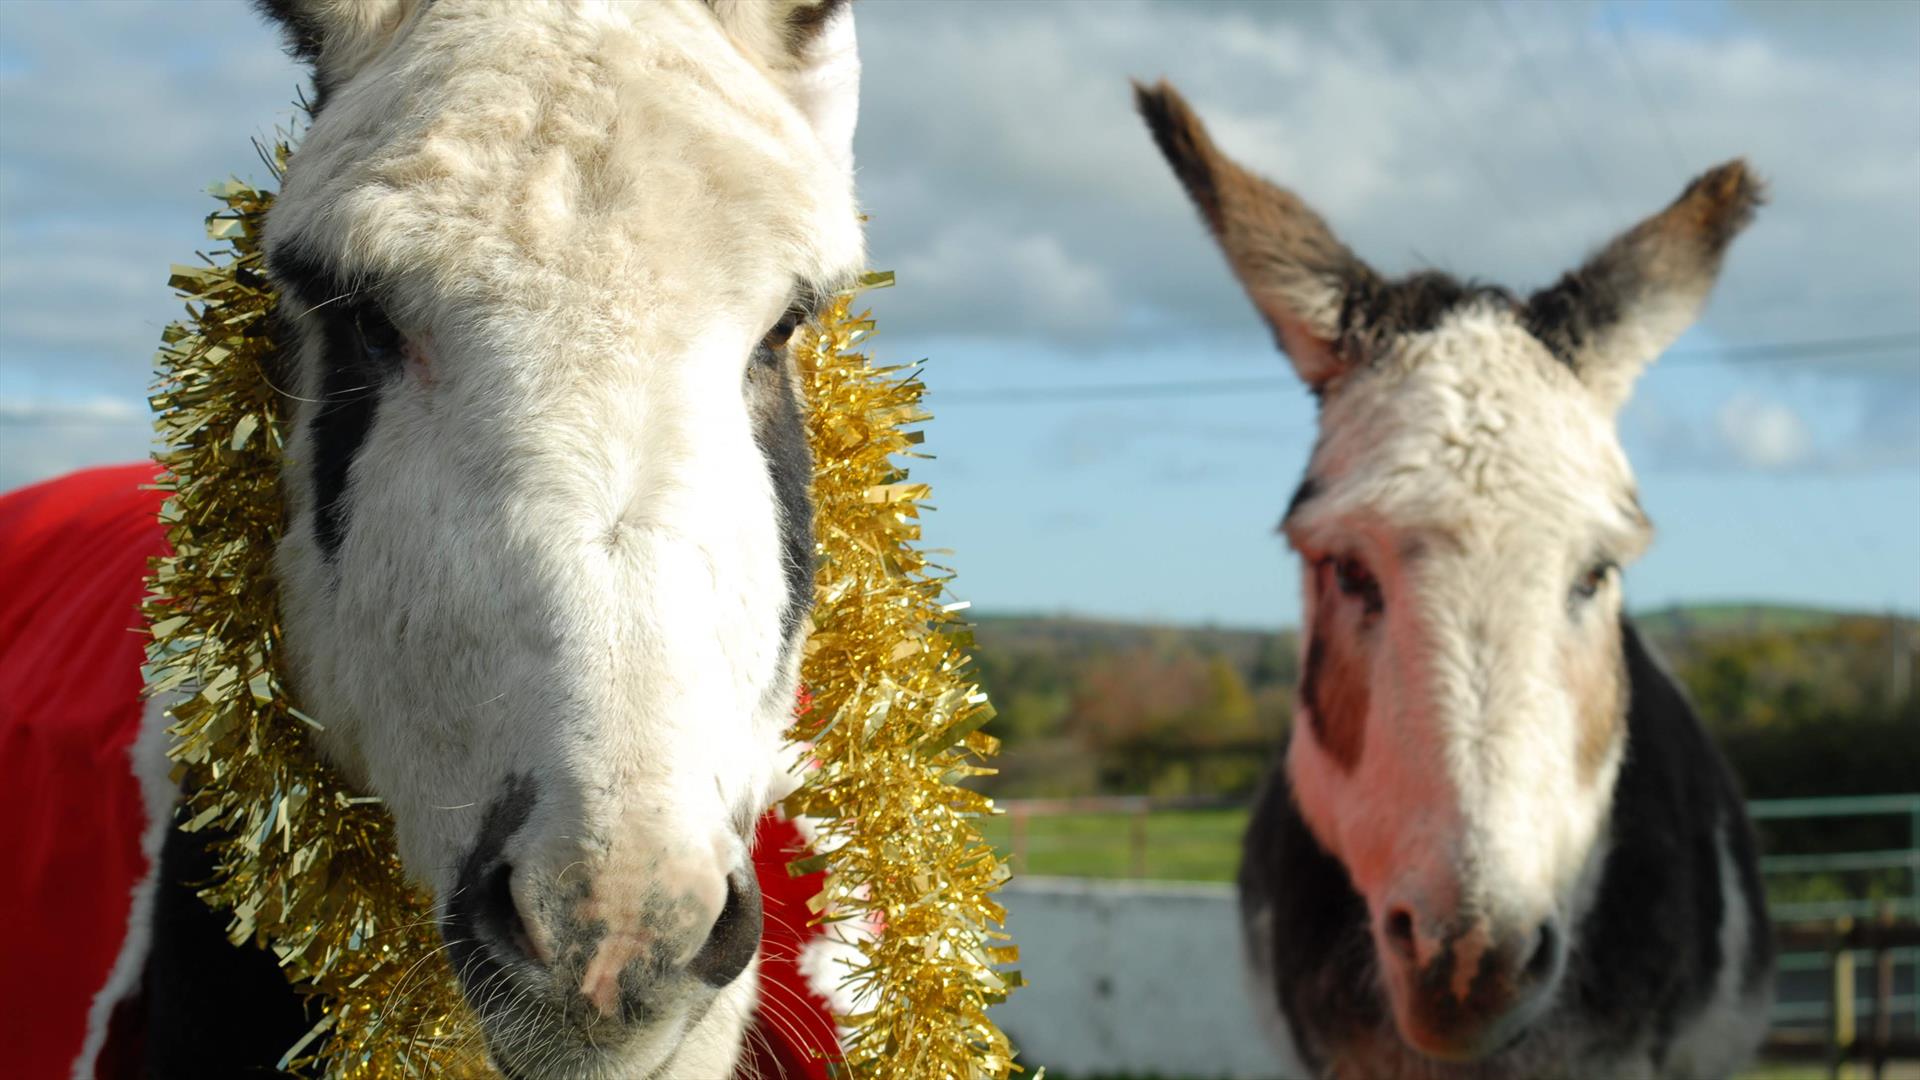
(1131, 978)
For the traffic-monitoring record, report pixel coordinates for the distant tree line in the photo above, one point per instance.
(1804, 703)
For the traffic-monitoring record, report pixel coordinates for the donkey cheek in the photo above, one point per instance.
(1596, 681)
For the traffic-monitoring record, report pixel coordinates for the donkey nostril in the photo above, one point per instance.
(735, 937)
(1545, 945)
(500, 914)
(1400, 932)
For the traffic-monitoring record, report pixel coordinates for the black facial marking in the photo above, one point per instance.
(352, 375)
(1334, 692)
(339, 426)
(1375, 311)
(472, 925)
(1310, 686)
(779, 429)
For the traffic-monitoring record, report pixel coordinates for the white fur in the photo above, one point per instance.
(1612, 364)
(822, 79)
(1478, 478)
(1476, 446)
(147, 758)
(353, 32)
(1467, 509)
(562, 558)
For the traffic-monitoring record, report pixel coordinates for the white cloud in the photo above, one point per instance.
(1762, 434)
(1019, 197)
(1421, 131)
(1026, 281)
(42, 439)
(114, 117)
(45, 414)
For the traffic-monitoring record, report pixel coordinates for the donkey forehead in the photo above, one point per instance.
(579, 146)
(1470, 429)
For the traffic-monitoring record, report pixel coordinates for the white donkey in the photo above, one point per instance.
(1500, 845)
(547, 559)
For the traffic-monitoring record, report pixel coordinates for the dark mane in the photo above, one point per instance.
(1377, 310)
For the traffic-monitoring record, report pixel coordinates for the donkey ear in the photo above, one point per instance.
(808, 47)
(1610, 318)
(337, 37)
(1295, 270)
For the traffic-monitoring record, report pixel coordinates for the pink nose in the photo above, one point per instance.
(612, 960)
(1464, 988)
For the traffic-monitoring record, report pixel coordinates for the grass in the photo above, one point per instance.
(1193, 845)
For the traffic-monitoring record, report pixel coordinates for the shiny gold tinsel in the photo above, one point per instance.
(308, 869)
(895, 723)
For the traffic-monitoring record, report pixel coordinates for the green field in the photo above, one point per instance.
(1193, 845)
(1204, 845)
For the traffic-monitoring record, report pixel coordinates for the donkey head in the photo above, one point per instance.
(547, 559)
(1462, 524)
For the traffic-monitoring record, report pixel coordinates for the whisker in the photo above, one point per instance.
(343, 296)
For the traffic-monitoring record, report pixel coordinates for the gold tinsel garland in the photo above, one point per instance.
(895, 723)
(307, 867)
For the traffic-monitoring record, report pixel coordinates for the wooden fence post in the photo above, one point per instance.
(1840, 1010)
(1882, 992)
(1139, 839)
(1017, 825)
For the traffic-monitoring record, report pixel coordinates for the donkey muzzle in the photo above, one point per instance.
(596, 948)
(1467, 989)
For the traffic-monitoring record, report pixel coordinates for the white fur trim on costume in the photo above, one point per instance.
(840, 948)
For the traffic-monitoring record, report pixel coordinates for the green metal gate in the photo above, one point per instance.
(1848, 923)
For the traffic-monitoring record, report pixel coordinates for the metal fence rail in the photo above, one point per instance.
(1849, 968)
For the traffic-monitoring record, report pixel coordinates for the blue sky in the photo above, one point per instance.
(1041, 243)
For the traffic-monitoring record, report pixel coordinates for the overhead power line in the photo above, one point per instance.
(1638, 76)
(1463, 135)
(1757, 353)
(1544, 92)
(1771, 352)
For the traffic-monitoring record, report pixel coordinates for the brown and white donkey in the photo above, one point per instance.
(1500, 844)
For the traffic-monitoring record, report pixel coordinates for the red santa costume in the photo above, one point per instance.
(85, 801)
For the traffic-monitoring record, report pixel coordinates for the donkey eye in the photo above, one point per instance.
(379, 338)
(783, 331)
(1354, 580)
(1596, 576)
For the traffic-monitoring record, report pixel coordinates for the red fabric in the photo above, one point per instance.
(793, 1035)
(73, 563)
